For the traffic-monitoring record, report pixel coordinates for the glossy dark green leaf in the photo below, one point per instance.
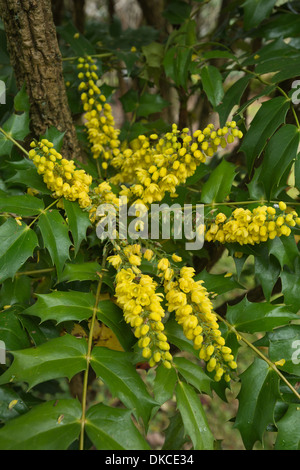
(218, 283)
(193, 374)
(113, 429)
(78, 221)
(232, 98)
(256, 11)
(17, 126)
(252, 317)
(193, 417)
(285, 344)
(116, 370)
(164, 384)
(268, 118)
(15, 291)
(285, 250)
(11, 330)
(63, 306)
(267, 271)
(78, 43)
(212, 84)
(218, 186)
(55, 235)
(177, 11)
(81, 272)
(279, 153)
(24, 205)
(17, 243)
(59, 357)
(149, 104)
(174, 434)
(288, 437)
(257, 397)
(11, 404)
(50, 426)
(290, 288)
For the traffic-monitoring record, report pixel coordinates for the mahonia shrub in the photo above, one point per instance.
(87, 319)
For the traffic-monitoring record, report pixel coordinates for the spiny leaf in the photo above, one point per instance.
(50, 426)
(59, 357)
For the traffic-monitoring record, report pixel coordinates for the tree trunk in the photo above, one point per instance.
(57, 11)
(79, 14)
(36, 60)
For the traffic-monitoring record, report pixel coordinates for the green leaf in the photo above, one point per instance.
(116, 370)
(164, 384)
(267, 271)
(280, 152)
(50, 426)
(232, 98)
(16, 291)
(63, 306)
(194, 418)
(217, 283)
(255, 317)
(218, 186)
(28, 177)
(112, 316)
(285, 250)
(258, 395)
(112, 429)
(268, 118)
(16, 126)
(78, 221)
(285, 344)
(22, 100)
(288, 437)
(212, 84)
(154, 54)
(60, 357)
(177, 11)
(80, 45)
(11, 330)
(290, 288)
(255, 11)
(81, 272)
(24, 205)
(174, 434)
(7, 412)
(17, 243)
(193, 374)
(55, 234)
(149, 104)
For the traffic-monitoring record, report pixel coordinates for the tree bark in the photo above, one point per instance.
(79, 14)
(36, 60)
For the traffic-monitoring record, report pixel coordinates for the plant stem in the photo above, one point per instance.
(35, 271)
(9, 137)
(89, 350)
(43, 212)
(260, 354)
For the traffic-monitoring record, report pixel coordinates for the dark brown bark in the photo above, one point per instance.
(37, 61)
(57, 11)
(79, 14)
(152, 11)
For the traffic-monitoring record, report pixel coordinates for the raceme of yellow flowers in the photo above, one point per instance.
(151, 167)
(59, 174)
(99, 121)
(136, 294)
(250, 227)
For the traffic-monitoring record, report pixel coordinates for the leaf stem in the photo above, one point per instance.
(89, 350)
(35, 271)
(259, 353)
